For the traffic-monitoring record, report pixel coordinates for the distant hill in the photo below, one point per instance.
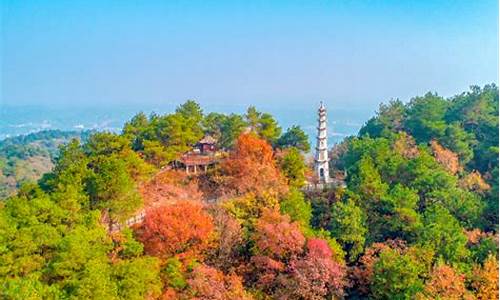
(27, 157)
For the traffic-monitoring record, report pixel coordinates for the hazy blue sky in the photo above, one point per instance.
(347, 52)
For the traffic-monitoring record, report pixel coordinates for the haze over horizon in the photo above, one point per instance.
(351, 54)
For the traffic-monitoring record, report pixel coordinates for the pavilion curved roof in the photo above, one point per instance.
(208, 139)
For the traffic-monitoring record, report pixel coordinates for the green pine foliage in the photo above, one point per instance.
(418, 213)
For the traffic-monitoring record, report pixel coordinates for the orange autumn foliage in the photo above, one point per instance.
(406, 146)
(474, 182)
(485, 279)
(251, 168)
(475, 236)
(169, 294)
(447, 158)
(445, 283)
(205, 282)
(182, 229)
(209, 283)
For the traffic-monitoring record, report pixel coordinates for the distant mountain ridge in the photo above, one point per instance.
(27, 157)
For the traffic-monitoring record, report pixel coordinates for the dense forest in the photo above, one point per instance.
(416, 219)
(26, 158)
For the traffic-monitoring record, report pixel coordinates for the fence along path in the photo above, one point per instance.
(139, 217)
(136, 219)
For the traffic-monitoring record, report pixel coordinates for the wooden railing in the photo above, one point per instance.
(136, 219)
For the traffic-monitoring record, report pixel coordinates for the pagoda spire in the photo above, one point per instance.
(321, 160)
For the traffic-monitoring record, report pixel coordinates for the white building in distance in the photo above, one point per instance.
(321, 167)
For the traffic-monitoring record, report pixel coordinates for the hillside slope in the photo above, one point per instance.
(418, 218)
(26, 158)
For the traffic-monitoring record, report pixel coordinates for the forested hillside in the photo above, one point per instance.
(418, 218)
(423, 198)
(26, 158)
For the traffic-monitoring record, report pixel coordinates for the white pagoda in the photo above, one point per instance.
(321, 160)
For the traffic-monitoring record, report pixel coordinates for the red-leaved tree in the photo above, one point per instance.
(316, 275)
(183, 228)
(276, 240)
(251, 168)
(276, 236)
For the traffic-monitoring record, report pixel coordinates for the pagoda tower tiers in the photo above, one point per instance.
(321, 160)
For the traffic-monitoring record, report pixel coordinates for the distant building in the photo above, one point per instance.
(321, 167)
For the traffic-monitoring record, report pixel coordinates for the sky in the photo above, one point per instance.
(348, 53)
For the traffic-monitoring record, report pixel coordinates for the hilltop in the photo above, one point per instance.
(224, 213)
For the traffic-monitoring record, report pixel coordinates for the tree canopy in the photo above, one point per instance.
(417, 217)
